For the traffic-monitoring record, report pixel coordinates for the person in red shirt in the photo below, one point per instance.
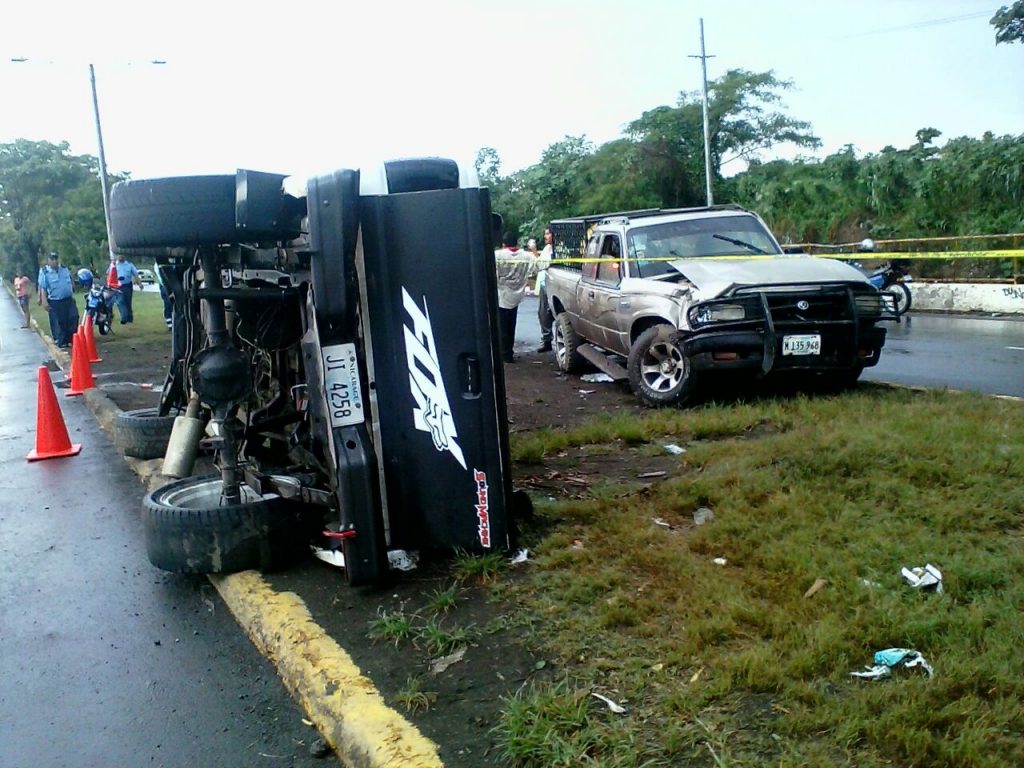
(22, 288)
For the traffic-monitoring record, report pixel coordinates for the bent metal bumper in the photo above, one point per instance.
(849, 337)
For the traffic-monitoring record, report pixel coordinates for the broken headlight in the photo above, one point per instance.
(713, 312)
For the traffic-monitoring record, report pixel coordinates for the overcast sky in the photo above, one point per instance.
(302, 87)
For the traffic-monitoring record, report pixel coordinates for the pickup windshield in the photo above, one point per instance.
(652, 247)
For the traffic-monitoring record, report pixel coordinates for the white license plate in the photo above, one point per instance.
(804, 344)
(341, 385)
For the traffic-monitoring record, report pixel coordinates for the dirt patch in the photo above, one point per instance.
(459, 707)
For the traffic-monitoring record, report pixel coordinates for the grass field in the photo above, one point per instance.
(732, 665)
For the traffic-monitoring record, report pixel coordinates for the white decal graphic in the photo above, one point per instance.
(432, 413)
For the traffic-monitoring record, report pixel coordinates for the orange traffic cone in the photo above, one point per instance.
(52, 439)
(112, 276)
(81, 371)
(90, 341)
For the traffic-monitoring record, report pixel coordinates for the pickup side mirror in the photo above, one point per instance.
(792, 249)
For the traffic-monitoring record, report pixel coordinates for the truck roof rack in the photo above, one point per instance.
(644, 213)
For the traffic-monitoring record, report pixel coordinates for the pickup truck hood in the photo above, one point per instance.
(713, 277)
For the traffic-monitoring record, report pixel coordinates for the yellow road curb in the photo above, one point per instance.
(342, 702)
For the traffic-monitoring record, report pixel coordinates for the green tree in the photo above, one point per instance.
(743, 121)
(49, 200)
(1009, 23)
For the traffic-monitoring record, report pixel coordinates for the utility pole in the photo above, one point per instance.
(707, 138)
(104, 184)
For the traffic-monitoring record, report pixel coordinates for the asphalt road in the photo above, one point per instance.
(969, 352)
(105, 661)
(981, 354)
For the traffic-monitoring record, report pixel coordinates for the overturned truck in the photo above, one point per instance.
(336, 351)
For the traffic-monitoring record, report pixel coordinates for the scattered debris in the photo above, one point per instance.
(662, 523)
(333, 557)
(890, 658)
(307, 722)
(319, 749)
(618, 709)
(577, 544)
(870, 584)
(720, 561)
(597, 378)
(927, 579)
(815, 588)
(401, 560)
(674, 449)
(437, 666)
(703, 515)
(696, 675)
(644, 475)
(520, 557)
(587, 391)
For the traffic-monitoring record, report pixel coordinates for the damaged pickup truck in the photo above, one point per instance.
(681, 294)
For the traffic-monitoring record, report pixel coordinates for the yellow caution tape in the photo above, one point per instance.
(867, 256)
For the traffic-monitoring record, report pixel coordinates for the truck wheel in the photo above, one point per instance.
(172, 212)
(143, 433)
(565, 344)
(659, 372)
(188, 530)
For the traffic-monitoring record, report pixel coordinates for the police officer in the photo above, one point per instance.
(127, 278)
(55, 297)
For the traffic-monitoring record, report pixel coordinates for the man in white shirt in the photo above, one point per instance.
(512, 267)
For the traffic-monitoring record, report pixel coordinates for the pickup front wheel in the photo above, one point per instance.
(659, 372)
(565, 343)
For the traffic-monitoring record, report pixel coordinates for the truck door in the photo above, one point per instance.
(584, 291)
(602, 292)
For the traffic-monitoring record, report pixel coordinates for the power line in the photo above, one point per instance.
(921, 24)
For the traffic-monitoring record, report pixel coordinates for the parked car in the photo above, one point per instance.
(146, 277)
(664, 297)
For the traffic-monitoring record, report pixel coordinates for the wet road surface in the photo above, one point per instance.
(105, 660)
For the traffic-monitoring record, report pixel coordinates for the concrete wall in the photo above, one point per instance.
(1001, 298)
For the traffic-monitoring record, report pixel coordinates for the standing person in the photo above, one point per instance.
(127, 278)
(532, 254)
(22, 286)
(512, 268)
(544, 316)
(55, 297)
(164, 297)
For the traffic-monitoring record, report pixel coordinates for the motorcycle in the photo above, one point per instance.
(99, 305)
(892, 281)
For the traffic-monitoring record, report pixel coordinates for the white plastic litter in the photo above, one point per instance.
(674, 449)
(330, 556)
(703, 515)
(720, 561)
(597, 378)
(892, 658)
(618, 709)
(587, 391)
(520, 557)
(437, 666)
(402, 560)
(927, 578)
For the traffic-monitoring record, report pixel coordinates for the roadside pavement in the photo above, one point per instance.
(104, 660)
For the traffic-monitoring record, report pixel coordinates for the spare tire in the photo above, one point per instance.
(173, 212)
(188, 530)
(143, 433)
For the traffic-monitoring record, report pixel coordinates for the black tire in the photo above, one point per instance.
(901, 298)
(659, 372)
(143, 433)
(565, 345)
(173, 212)
(188, 530)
